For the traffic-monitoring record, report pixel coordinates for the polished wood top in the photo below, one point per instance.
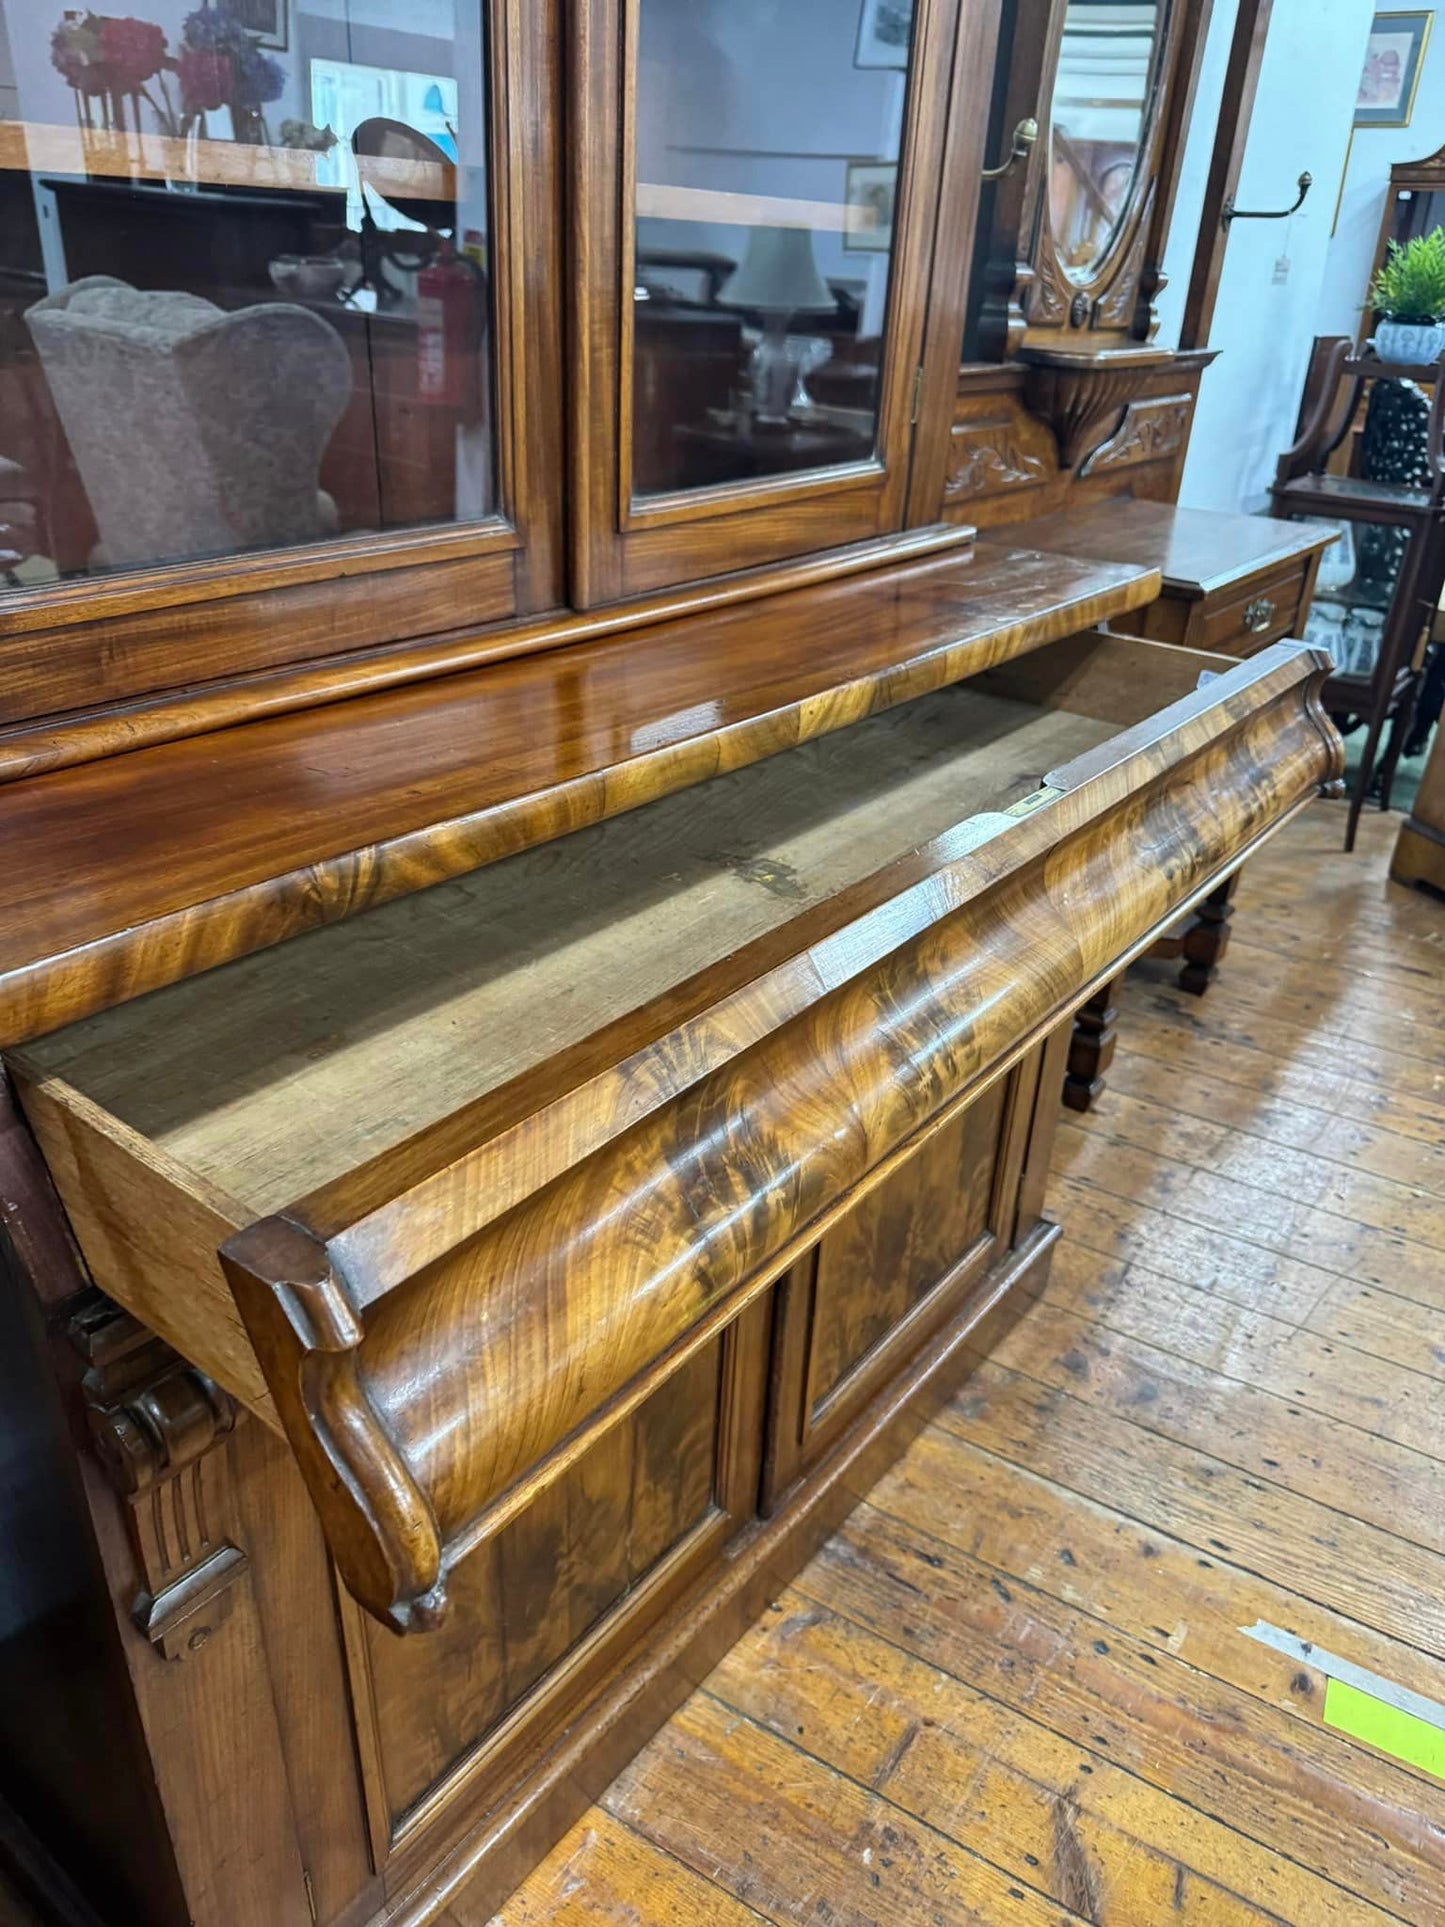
(1198, 552)
(124, 875)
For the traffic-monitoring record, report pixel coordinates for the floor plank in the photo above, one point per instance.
(1015, 1687)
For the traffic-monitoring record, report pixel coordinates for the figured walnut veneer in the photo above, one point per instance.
(424, 1416)
(188, 853)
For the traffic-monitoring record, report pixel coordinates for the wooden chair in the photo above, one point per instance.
(1334, 387)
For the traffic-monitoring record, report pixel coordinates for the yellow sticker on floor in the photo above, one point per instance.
(1388, 1728)
(1392, 1718)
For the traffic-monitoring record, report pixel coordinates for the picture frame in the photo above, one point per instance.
(1394, 57)
(266, 19)
(871, 199)
(885, 33)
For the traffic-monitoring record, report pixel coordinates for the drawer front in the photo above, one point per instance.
(882, 1280)
(543, 1613)
(1265, 611)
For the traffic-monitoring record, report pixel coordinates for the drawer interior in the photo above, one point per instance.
(273, 1075)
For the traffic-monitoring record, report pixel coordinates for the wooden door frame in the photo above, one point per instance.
(618, 549)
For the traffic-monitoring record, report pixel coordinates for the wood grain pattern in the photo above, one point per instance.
(171, 870)
(91, 732)
(351, 1386)
(1027, 1641)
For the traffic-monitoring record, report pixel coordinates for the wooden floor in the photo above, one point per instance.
(1014, 1688)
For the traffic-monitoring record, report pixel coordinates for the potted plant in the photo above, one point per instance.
(1408, 297)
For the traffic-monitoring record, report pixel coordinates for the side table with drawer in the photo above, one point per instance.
(1232, 585)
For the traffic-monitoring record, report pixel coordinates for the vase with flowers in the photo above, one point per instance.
(108, 62)
(221, 64)
(112, 63)
(1408, 296)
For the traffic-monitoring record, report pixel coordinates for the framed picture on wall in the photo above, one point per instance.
(872, 200)
(1393, 59)
(264, 18)
(884, 30)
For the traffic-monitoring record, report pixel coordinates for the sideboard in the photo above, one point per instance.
(534, 995)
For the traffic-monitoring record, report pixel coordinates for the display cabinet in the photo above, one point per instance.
(256, 425)
(549, 871)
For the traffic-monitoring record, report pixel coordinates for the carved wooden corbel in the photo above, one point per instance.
(154, 1422)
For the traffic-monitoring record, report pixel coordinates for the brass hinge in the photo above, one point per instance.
(917, 395)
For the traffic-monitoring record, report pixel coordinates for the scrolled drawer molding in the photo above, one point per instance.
(426, 1415)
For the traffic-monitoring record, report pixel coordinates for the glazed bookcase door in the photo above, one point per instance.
(273, 391)
(754, 197)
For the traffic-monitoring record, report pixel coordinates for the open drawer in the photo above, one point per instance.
(485, 1166)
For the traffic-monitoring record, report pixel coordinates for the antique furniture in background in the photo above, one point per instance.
(543, 1068)
(1420, 847)
(1232, 584)
(162, 397)
(1398, 526)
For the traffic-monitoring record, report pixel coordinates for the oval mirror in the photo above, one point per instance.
(1096, 123)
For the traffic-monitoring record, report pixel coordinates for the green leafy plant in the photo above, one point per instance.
(1411, 284)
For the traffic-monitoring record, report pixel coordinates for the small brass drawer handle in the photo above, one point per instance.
(1258, 615)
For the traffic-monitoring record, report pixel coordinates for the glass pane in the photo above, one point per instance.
(1357, 581)
(1101, 94)
(768, 139)
(243, 278)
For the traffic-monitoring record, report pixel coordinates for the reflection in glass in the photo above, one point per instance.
(767, 142)
(1356, 586)
(1101, 95)
(243, 278)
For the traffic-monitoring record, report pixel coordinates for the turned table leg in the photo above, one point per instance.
(1091, 1048)
(1207, 938)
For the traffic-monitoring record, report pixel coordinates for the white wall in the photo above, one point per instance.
(1362, 205)
(1270, 293)
(1194, 173)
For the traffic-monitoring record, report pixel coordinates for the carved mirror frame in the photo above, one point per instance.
(1106, 302)
(1027, 297)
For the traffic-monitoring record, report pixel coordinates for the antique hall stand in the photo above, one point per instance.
(532, 1042)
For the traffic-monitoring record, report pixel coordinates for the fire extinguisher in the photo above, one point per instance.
(446, 302)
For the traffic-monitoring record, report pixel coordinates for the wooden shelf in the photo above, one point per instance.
(1349, 496)
(180, 856)
(1371, 368)
(42, 147)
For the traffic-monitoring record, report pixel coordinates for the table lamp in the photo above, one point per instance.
(777, 279)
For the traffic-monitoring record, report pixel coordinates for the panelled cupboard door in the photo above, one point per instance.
(759, 322)
(279, 374)
(891, 1271)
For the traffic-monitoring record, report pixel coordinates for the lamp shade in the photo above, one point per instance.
(778, 275)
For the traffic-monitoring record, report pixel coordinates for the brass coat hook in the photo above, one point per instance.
(1233, 213)
(1025, 134)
